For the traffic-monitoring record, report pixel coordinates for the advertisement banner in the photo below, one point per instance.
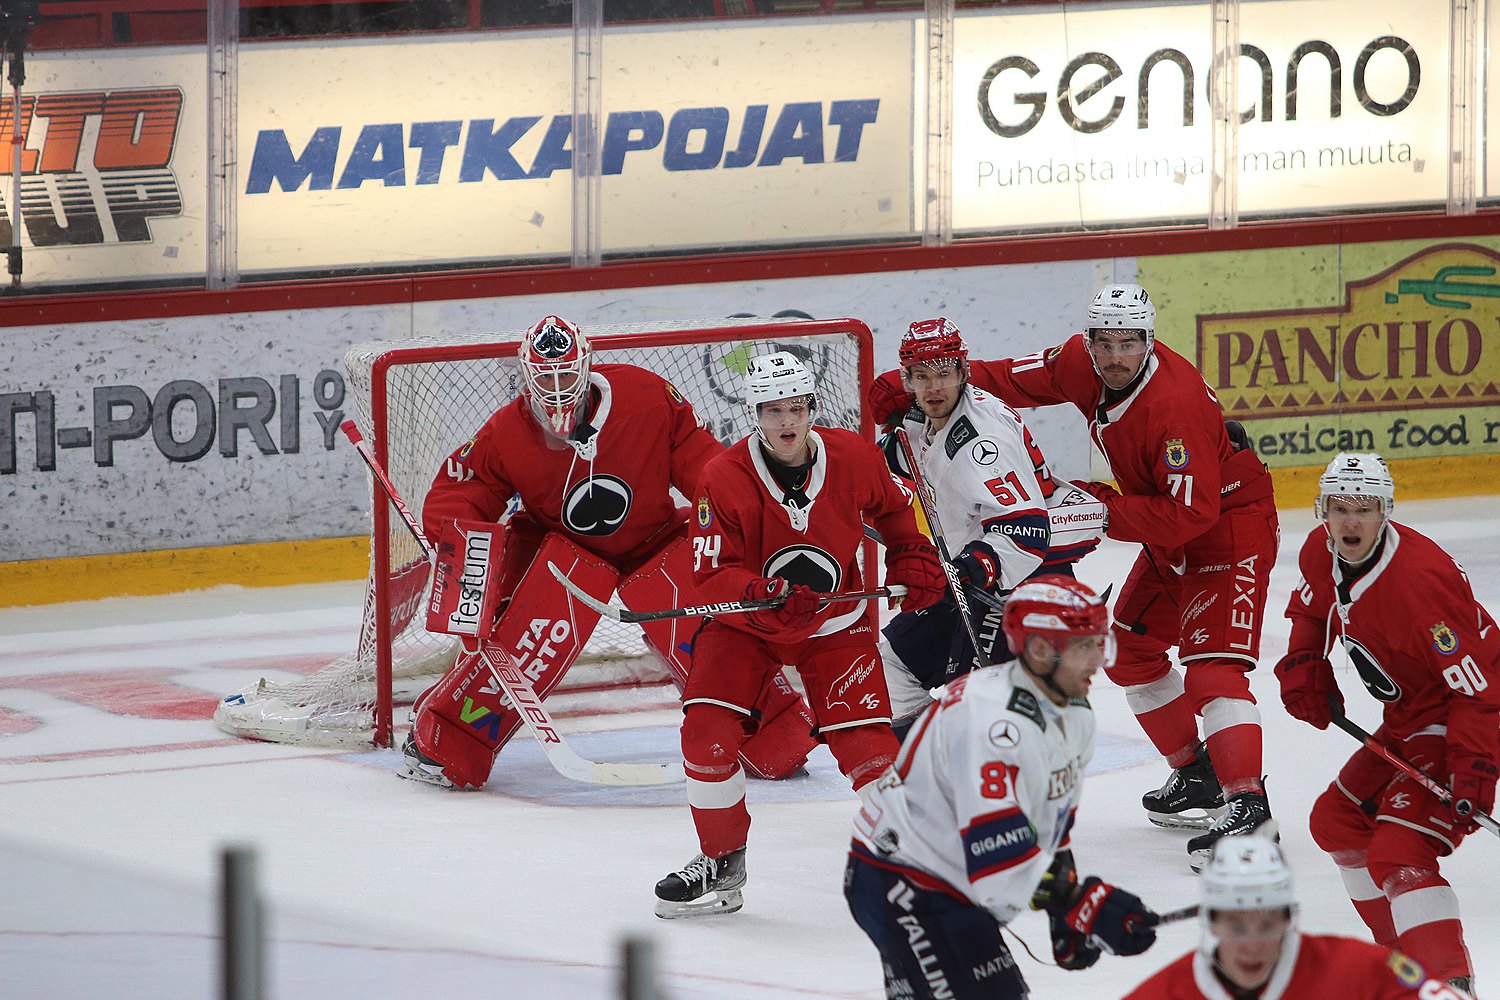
(744, 134)
(1095, 115)
(113, 166)
(1396, 351)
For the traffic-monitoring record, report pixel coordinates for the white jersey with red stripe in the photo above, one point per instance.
(984, 791)
(989, 480)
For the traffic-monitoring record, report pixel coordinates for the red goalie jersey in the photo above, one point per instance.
(615, 502)
(744, 527)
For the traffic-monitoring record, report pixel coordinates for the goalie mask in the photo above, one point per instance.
(1117, 310)
(555, 359)
(774, 377)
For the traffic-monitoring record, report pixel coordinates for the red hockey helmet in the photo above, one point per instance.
(555, 359)
(1054, 607)
(932, 342)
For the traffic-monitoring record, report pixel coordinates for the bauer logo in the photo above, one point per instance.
(101, 173)
(535, 146)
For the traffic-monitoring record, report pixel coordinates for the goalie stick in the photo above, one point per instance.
(620, 614)
(1437, 788)
(517, 686)
(955, 584)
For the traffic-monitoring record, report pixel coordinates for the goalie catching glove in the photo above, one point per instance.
(915, 566)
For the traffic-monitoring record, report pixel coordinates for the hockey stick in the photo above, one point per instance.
(1444, 795)
(516, 684)
(620, 614)
(955, 584)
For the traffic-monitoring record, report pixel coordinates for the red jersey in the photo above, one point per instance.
(1311, 965)
(746, 527)
(1165, 441)
(1421, 643)
(608, 488)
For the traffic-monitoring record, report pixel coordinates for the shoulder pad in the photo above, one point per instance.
(960, 434)
(1024, 703)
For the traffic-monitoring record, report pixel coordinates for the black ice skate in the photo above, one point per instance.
(1247, 812)
(706, 886)
(1190, 800)
(417, 766)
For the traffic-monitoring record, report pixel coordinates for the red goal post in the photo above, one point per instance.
(416, 401)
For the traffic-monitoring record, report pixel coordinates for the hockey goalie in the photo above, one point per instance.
(593, 454)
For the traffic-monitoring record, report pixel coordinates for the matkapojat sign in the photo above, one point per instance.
(1407, 365)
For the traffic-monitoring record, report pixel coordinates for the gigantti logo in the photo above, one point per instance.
(1425, 333)
(94, 165)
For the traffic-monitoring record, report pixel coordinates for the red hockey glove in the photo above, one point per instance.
(1112, 918)
(1099, 491)
(1308, 689)
(888, 398)
(979, 565)
(915, 566)
(1473, 784)
(802, 604)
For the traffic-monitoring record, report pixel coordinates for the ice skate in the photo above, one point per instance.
(417, 766)
(706, 886)
(1247, 812)
(1191, 799)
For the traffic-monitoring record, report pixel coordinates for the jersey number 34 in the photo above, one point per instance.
(706, 547)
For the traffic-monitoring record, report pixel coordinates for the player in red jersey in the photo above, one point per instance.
(593, 453)
(783, 513)
(1423, 646)
(1252, 949)
(1202, 508)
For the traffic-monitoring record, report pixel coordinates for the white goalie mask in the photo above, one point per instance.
(774, 377)
(555, 361)
(1356, 475)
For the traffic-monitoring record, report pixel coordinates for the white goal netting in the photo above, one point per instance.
(416, 401)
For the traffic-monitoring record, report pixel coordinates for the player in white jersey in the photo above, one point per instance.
(972, 822)
(992, 488)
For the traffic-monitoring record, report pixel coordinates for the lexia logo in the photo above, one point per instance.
(93, 164)
(690, 139)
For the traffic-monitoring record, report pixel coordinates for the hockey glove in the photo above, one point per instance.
(1055, 894)
(802, 604)
(1473, 784)
(1071, 950)
(1099, 491)
(888, 398)
(1112, 918)
(1308, 689)
(978, 565)
(915, 566)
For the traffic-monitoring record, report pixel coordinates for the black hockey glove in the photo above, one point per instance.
(978, 565)
(1112, 918)
(1072, 950)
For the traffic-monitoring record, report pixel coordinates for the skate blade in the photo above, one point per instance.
(1191, 819)
(714, 904)
(424, 777)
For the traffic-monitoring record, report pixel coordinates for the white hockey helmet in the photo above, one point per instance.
(1356, 474)
(1246, 873)
(1123, 307)
(550, 351)
(778, 376)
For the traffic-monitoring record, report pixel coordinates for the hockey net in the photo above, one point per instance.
(416, 401)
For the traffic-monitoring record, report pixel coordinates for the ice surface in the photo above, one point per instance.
(117, 793)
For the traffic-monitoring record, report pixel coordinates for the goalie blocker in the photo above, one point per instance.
(463, 721)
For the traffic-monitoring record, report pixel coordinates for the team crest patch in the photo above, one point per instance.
(705, 513)
(960, 434)
(1024, 703)
(676, 396)
(1176, 455)
(1443, 639)
(464, 451)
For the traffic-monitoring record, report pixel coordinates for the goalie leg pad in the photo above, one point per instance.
(464, 720)
(665, 580)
